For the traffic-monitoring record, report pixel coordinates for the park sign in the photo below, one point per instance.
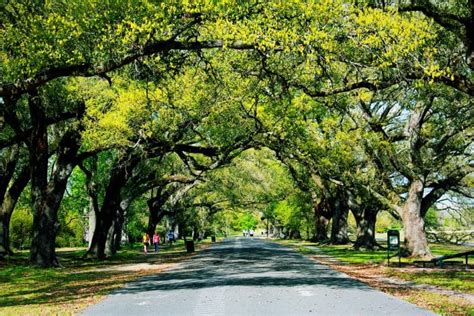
(393, 239)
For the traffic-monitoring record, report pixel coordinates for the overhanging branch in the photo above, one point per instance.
(91, 70)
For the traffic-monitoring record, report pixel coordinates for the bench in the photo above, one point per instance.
(424, 262)
(441, 261)
(434, 264)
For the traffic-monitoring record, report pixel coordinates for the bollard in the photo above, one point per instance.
(189, 246)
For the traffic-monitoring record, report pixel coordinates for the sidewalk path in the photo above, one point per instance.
(250, 276)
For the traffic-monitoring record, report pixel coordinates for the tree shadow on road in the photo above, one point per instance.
(256, 264)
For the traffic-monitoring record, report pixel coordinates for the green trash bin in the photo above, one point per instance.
(189, 246)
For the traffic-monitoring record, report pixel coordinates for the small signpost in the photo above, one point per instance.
(393, 244)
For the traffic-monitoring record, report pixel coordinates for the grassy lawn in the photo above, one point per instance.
(364, 265)
(346, 253)
(28, 290)
(343, 253)
(440, 304)
(461, 281)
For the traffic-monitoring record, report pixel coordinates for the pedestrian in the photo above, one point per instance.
(146, 242)
(170, 237)
(156, 241)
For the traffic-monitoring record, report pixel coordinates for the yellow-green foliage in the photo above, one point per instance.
(59, 33)
(113, 113)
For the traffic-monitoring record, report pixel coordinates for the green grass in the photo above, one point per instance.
(445, 249)
(343, 253)
(28, 290)
(461, 281)
(346, 253)
(438, 303)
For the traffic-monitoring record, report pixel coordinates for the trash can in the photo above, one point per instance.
(213, 238)
(189, 246)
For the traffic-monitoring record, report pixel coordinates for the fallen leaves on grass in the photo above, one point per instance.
(376, 276)
(26, 290)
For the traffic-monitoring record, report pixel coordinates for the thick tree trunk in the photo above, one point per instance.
(322, 224)
(321, 220)
(104, 221)
(92, 223)
(6, 211)
(365, 221)
(151, 227)
(46, 201)
(45, 229)
(105, 238)
(5, 234)
(340, 213)
(195, 233)
(110, 241)
(155, 208)
(45, 225)
(6, 173)
(93, 249)
(118, 238)
(413, 223)
(91, 189)
(295, 234)
(7, 170)
(118, 225)
(108, 213)
(118, 228)
(154, 220)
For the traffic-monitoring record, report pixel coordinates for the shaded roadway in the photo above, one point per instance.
(250, 276)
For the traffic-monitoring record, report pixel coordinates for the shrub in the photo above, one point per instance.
(20, 228)
(71, 233)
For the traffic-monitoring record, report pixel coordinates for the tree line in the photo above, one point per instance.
(366, 105)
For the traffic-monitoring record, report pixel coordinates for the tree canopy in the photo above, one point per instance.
(205, 115)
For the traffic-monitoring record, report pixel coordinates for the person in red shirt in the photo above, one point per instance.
(156, 241)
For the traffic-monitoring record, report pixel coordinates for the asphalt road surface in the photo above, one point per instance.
(250, 276)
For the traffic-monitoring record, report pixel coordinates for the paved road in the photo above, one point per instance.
(250, 276)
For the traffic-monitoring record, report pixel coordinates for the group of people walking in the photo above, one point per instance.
(248, 233)
(146, 242)
(156, 240)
